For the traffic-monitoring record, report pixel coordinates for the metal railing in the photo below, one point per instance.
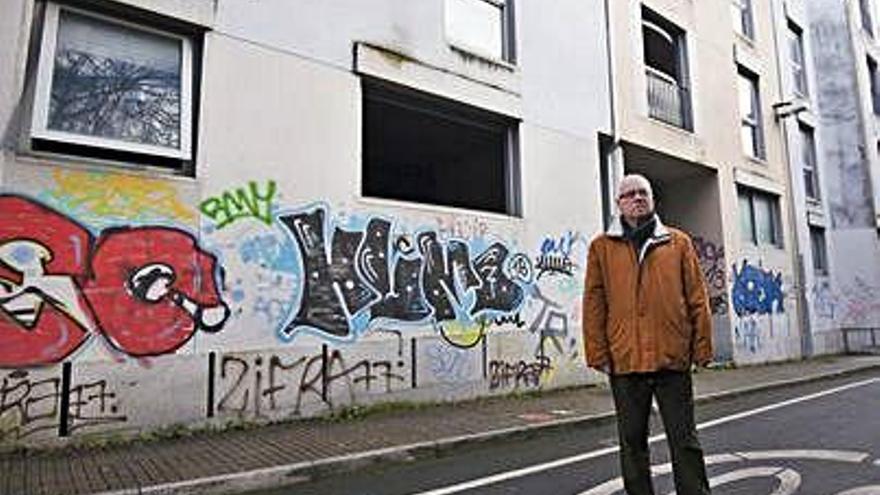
(667, 100)
(863, 344)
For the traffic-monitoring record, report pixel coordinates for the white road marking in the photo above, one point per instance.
(517, 473)
(864, 490)
(616, 484)
(821, 455)
(789, 480)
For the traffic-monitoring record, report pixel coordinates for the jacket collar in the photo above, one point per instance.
(659, 236)
(661, 233)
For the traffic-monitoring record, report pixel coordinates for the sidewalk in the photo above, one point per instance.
(233, 461)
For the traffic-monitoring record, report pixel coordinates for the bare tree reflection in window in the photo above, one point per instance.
(106, 97)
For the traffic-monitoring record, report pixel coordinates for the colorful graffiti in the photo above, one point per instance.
(242, 202)
(712, 262)
(450, 365)
(756, 290)
(117, 197)
(352, 278)
(824, 300)
(146, 290)
(556, 253)
(856, 303)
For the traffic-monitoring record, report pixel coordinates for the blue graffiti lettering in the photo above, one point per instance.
(756, 291)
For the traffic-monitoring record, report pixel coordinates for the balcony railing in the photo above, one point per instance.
(667, 100)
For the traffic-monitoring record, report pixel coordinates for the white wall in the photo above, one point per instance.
(280, 125)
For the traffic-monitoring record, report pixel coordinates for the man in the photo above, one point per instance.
(646, 321)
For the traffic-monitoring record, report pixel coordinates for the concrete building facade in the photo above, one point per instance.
(695, 87)
(218, 211)
(838, 214)
(222, 211)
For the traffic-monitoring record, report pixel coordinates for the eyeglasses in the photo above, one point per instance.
(634, 192)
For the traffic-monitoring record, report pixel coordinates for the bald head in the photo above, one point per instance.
(635, 199)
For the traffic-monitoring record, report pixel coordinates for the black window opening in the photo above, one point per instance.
(819, 250)
(666, 70)
(117, 84)
(808, 160)
(874, 85)
(426, 149)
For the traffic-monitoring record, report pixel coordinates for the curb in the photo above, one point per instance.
(290, 474)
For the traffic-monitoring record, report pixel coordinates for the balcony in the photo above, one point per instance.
(667, 100)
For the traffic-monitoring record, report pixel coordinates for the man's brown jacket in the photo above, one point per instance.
(645, 311)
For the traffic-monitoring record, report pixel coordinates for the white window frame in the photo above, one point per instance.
(754, 123)
(745, 23)
(506, 19)
(40, 113)
(801, 85)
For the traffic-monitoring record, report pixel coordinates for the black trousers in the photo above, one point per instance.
(674, 393)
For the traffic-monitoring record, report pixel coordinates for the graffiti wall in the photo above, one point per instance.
(270, 310)
(764, 323)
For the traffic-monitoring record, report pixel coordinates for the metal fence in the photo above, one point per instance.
(667, 100)
(861, 340)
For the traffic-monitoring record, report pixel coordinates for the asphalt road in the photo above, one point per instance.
(821, 438)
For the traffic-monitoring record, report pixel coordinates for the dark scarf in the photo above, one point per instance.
(638, 236)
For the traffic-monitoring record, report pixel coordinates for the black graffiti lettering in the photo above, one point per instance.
(405, 302)
(504, 374)
(437, 282)
(29, 406)
(554, 265)
(276, 368)
(550, 323)
(261, 384)
(92, 404)
(496, 290)
(355, 294)
(514, 319)
(372, 256)
(312, 382)
(320, 307)
(359, 275)
(236, 388)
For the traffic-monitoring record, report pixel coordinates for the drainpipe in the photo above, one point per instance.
(614, 166)
(803, 316)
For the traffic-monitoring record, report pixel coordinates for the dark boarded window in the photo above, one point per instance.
(426, 149)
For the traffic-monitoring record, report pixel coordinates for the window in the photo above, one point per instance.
(666, 70)
(796, 59)
(820, 252)
(751, 132)
(808, 161)
(875, 85)
(422, 148)
(867, 22)
(482, 26)
(110, 89)
(759, 217)
(741, 11)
